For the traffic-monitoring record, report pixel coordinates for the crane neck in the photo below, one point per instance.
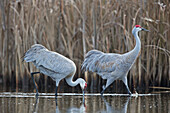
(133, 54)
(137, 48)
(71, 82)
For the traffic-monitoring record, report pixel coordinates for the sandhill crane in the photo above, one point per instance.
(54, 65)
(112, 66)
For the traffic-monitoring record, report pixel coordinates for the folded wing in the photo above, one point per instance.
(99, 62)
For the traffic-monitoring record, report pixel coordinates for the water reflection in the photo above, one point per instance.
(92, 104)
(63, 107)
(116, 109)
(71, 104)
(82, 109)
(64, 104)
(36, 105)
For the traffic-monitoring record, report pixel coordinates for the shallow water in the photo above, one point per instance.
(94, 103)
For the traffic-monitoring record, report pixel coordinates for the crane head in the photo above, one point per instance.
(85, 85)
(138, 28)
(82, 83)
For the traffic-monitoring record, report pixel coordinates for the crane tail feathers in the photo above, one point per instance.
(28, 56)
(90, 61)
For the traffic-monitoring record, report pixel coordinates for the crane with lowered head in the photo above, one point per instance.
(53, 64)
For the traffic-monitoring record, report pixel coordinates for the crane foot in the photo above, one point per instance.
(102, 93)
(130, 94)
(36, 95)
(55, 95)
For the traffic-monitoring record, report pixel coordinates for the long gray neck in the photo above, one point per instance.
(71, 82)
(137, 48)
(133, 54)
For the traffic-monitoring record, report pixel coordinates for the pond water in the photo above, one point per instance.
(73, 103)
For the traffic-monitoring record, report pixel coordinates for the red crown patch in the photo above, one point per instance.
(137, 26)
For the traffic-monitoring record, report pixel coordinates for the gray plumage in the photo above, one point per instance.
(54, 65)
(50, 63)
(112, 66)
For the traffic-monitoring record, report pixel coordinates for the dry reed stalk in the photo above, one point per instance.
(154, 87)
(148, 62)
(84, 33)
(160, 69)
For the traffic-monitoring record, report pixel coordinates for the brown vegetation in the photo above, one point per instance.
(73, 27)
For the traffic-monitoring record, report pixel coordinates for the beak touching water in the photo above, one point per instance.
(143, 29)
(84, 92)
(83, 95)
(84, 88)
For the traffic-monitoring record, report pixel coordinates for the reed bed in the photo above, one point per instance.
(73, 27)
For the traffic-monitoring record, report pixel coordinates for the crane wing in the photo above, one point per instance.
(53, 61)
(99, 62)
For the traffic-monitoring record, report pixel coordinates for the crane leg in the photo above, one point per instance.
(83, 96)
(126, 84)
(109, 81)
(34, 82)
(56, 92)
(56, 95)
(103, 91)
(129, 92)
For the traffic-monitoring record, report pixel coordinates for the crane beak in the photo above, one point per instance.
(83, 92)
(143, 29)
(83, 95)
(84, 89)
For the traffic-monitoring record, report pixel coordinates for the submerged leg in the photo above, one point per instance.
(56, 88)
(56, 95)
(35, 110)
(83, 96)
(103, 91)
(56, 92)
(34, 82)
(126, 84)
(109, 81)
